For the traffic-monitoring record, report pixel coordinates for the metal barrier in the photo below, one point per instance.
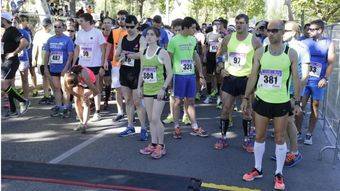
(330, 109)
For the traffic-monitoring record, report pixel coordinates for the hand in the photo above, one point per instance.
(160, 95)
(224, 73)
(10, 55)
(322, 83)
(297, 110)
(106, 65)
(203, 82)
(245, 106)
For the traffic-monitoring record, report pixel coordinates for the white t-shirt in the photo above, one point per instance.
(39, 42)
(90, 53)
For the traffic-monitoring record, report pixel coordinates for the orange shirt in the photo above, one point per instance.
(117, 35)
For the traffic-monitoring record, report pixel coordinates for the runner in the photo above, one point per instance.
(106, 80)
(81, 83)
(113, 41)
(322, 52)
(153, 60)
(184, 59)
(90, 49)
(12, 42)
(271, 72)
(240, 47)
(38, 52)
(127, 53)
(59, 53)
(157, 22)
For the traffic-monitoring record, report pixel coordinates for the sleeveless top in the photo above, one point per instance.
(130, 47)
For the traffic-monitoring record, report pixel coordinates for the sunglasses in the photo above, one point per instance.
(288, 30)
(273, 30)
(130, 27)
(58, 27)
(70, 31)
(121, 19)
(262, 28)
(313, 29)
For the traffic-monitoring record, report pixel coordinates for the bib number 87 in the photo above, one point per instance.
(270, 79)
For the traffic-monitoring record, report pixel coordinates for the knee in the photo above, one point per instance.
(137, 103)
(260, 137)
(177, 103)
(279, 138)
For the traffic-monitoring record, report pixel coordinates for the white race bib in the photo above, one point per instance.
(150, 75)
(187, 66)
(315, 69)
(129, 62)
(270, 79)
(56, 58)
(237, 60)
(213, 46)
(86, 53)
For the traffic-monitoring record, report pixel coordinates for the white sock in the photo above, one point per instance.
(259, 149)
(280, 152)
(194, 126)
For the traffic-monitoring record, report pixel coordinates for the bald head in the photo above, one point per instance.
(276, 24)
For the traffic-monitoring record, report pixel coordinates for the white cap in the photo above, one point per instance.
(7, 16)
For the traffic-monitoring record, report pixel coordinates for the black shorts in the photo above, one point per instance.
(108, 72)
(9, 67)
(271, 110)
(95, 70)
(234, 86)
(128, 77)
(211, 63)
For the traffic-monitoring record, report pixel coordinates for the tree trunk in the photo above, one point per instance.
(73, 7)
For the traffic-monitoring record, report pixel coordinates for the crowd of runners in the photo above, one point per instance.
(274, 69)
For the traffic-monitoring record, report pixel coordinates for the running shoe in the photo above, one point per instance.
(128, 131)
(65, 113)
(292, 159)
(221, 144)
(118, 118)
(213, 93)
(43, 100)
(158, 152)
(78, 127)
(34, 93)
(250, 176)
(50, 100)
(279, 182)
(147, 150)
(144, 135)
(55, 108)
(169, 119)
(308, 140)
(55, 112)
(186, 120)
(299, 136)
(11, 114)
(248, 145)
(96, 117)
(24, 107)
(177, 133)
(199, 132)
(207, 100)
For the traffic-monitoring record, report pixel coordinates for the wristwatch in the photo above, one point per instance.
(298, 103)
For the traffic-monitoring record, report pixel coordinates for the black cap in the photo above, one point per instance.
(46, 22)
(157, 19)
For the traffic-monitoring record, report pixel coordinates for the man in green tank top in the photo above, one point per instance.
(239, 49)
(273, 66)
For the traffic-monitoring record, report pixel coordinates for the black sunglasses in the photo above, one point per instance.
(130, 27)
(273, 30)
(70, 31)
(262, 27)
(58, 27)
(121, 19)
(313, 29)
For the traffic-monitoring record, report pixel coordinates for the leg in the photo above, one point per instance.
(119, 99)
(190, 102)
(149, 103)
(176, 112)
(86, 110)
(156, 120)
(314, 116)
(228, 102)
(127, 94)
(280, 125)
(140, 108)
(291, 135)
(79, 103)
(57, 90)
(33, 77)
(261, 124)
(97, 98)
(25, 85)
(66, 95)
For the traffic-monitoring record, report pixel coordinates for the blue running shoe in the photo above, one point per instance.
(292, 159)
(144, 135)
(128, 131)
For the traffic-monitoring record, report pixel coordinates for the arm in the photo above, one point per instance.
(140, 77)
(75, 55)
(165, 57)
(253, 76)
(330, 59)
(118, 51)
(222, 50)
(46, 58)
(103, 48)
(256, 42)
(290, 12)
(294, 59)
(198, 64)
(22, 45)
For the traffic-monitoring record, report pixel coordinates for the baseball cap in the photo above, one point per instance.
(46, 22)
(157, 19)
(7, 16)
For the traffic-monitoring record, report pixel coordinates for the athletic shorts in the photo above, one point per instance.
(95, 70)
(271, 110)
(24, 65)
(314, 91)
(9, 67)
(234, 86)
(211, 63)
(128, 77)
(184, 86)
(108, 72)
(115, 77)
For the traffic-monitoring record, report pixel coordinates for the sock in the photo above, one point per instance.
(209, 88)
(280, 152)
(194, 126)
(12, 103)
(12, 92)
(224, 124)
(246, 126)
(107, 93)
(259, 149)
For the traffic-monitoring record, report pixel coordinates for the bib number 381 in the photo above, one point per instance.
(270, 79)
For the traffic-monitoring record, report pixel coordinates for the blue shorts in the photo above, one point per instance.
(184, 86)
(314, 91)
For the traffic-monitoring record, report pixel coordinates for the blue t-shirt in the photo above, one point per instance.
(58, 47)
(163, 38)
(23, 55)
(29, 49)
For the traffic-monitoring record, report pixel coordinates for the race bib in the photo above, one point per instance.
(150, 74)
(86, 53)
(129, 62)
(56, 58)
(237, 60)
(315, 69)
(213, 46)
(187, 66)
(270, 79)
